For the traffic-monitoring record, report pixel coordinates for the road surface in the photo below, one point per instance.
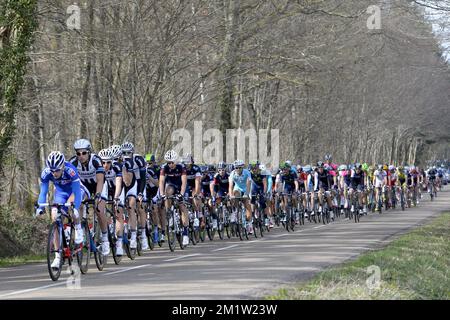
(227, 269)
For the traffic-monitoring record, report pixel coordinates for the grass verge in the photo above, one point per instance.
(414, 266)
(19, 260)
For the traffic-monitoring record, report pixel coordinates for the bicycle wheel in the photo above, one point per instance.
(54, 238)
(170, 230)
(84, 251)
(220, 223)
(150, 230)
(100, 259)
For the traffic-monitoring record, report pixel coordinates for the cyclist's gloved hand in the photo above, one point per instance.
(179, 197)
(213, 200)
(163, 197)
(116, 202)
(39, 212)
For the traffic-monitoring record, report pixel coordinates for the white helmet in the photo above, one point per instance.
(82, 144)
(55, 160)
(171, 156)
(127, 147)
(116, 151)
(391, 167)
(106, 154)
(238, 163)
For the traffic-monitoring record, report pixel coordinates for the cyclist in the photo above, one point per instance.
(112, 189)
(221, 184)
(239, 186)
(258, 186)
(68, 189)
(287, 182)
(414, 182)
(194, 180)
(173, 181)
(207, 188)
(92, 176)
(431, 177)
(268, 211)
(357, 183)
(379, 182)
(134, 178)
(152, 194)
(322, 183)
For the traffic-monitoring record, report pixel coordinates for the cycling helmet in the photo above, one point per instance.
(358, 166)
(106, 154)
(262, 167)
(127, 147)
(385, 167)
(149, 157)
(55, 160)
(203, 168)
(254, 165)
(188, 159)
(320, 164)
(238, 164)
(212, 168)
(116, 151)
(171, 156)
(342, 167)
(307, 169)
(380, 167)
(334, 166)
(327, 157)
(391, 168)
(299, 168)
(288, 162)
(221, 165)
(371, 168)
(400, 168)
(365, 167)
(82, 144)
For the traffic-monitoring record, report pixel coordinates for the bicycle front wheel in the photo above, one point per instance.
(54, 245)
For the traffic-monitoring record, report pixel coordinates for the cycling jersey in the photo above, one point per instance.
(192, 173)
(258, 179)
(221, 183)
(154, 172)
(357, 179)
(322, 180)
(173, 176)
(240, 181)
(88, 171)
(68, 184)
(137, 165)
(206, 183)
(379, 177)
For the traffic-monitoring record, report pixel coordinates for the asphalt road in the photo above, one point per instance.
(225, 269)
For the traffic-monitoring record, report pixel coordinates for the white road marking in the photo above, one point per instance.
(182, 257)
(128, 269)
(229, 247)
(33, 289)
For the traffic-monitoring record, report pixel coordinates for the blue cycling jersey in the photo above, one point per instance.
(240, 181)
(67, 184)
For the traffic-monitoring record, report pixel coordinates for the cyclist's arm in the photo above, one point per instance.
(183, 183)
(118, 187)
(76, 190)
(44, 191)
(198, 181)
(316, 181)
(296, 185)
(249, 185)
(230, 185)
(265, 185)
(162, 181)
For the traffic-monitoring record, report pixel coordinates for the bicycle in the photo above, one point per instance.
(258, 215)
(112, 237)
(61, 240)
(95, 233)
(174, 227)
(239, 219)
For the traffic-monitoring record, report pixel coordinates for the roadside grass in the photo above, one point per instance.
(19, 260)
(414, 266)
